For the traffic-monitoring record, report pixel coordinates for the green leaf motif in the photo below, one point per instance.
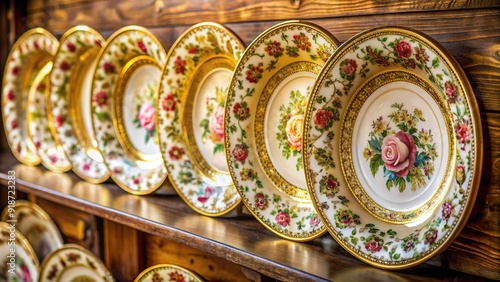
(102, 116)
(375, 163)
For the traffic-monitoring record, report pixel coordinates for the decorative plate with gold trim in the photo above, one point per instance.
(393, 156)
(168, 272)
(69, 106)
(51, 154)
(263, 124)
(22, 264)
(37, 227)
(31, 52)
(190, 108)
(73, 263)
(123, 101)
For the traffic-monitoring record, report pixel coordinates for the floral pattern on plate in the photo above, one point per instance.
(22, 265)
(126, 44)
(72, 62)
(37, 227)
(191, 127)
(28, 55)
(379, 243)
(146, 111)
(51, 154)
(278, 54)
(74, 263)
(167, 272)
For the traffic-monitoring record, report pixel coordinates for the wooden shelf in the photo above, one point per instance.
(241, 240)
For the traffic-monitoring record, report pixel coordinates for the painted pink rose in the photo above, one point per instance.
(403, 49)
(101, 98)
(26, 275)
(11, 96)
(59, 120)
(294, 131)
(109, 67)
(283, 219)
(322, 118)
(175, 153)
(399, 152)
(260, 201)
(146, 116)
(240, 153)
(314, 221)
(241, 111)
(137, 180)
(430, 236)
(53, 159)
(451, 91)
(16, 70)
(373, 246)
(180, 65)
(86, 166)
(168, 102)
(13, 124)
(64, 66)
(216, 125)
(349, 67)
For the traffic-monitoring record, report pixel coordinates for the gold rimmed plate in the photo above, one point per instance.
(393, 154)
(124, 88)
(264, 117)
(18, 260)
(51, 154)
(190, 105)
(68, 101)
(74, 263)
(36, 226)
(168, 272)
(30, 53)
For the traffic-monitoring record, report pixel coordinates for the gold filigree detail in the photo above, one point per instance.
(352, 111)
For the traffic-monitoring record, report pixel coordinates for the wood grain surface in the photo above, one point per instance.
(468, 30)
(242, 240)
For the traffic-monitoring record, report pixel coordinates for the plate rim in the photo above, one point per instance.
(250, 48)
(470, 102)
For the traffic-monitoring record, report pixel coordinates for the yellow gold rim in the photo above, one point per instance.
(36, 61)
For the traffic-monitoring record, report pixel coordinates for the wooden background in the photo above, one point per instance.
(470, 30)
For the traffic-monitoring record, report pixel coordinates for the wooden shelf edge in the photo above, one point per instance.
(240, 240)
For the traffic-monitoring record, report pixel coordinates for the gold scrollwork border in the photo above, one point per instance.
(347, 164)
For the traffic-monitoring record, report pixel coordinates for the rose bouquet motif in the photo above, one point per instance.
(290, 127)
(146, 111)
(405, 153)
(213, 123)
